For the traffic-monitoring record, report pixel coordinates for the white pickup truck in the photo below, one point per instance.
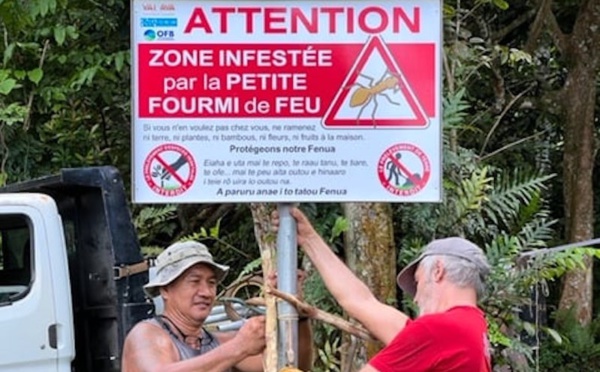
(71, 273)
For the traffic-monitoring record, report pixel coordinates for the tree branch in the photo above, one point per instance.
(545, 17)
(560, 39)
(32, 93)
(503, 148)
(5, 155)
(261, 213)
(499, 119)
(536, 28)
(518, 22)
(318, 314)
(587, 30)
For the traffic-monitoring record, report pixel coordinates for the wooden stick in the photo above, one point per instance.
(263, 233)
(270, 359)
(318, 314)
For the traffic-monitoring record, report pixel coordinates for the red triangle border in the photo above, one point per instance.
(375, 42)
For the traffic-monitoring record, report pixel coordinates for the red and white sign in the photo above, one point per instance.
(323, 87)
(170, 170)
(386, 99)
(404, 169)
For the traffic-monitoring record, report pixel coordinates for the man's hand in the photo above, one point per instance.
(251, 336)
(305, 230)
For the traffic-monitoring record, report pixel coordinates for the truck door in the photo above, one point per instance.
(34, 320)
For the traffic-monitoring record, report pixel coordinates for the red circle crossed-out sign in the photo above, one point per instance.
(403, 169)
(169, 170)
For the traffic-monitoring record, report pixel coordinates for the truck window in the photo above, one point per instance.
(15, 257)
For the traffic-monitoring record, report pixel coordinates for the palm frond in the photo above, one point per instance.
(537, 232)
(455, 109)
(470, 194)
(510, 192)
(152, 220)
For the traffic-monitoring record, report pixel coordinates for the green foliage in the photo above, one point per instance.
(552, 266)
(455, 109)
(513, 194)
(326, 337)
(12, 114)
(64, 95)
(329, 222)
(251, 267)
(340, 226)
(506, 216)
(223, 250)
(500, 202)
(502, 4)
(64, 102)
(153, 221)
(513, 279)
(158, 223)
(513, 56)
(579, 349)
(503, 211)
(327, 353)
(471, 194)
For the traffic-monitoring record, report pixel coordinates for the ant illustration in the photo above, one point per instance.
(363, 96)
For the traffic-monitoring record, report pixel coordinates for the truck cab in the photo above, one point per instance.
(71, 272)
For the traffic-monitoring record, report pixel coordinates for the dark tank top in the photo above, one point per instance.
(209, 342)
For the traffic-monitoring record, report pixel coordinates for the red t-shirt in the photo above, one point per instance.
(455, 340)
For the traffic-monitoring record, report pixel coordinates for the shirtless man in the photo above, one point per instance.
(187, 279)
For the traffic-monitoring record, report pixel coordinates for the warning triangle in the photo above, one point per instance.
(375, 93)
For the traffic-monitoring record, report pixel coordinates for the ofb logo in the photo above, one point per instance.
(149, 35)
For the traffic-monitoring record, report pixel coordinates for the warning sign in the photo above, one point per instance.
(376, 92)
(284, 102)
(404, 169)
(169, 170)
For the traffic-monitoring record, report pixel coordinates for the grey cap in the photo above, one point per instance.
(454, 246)
(176, 259)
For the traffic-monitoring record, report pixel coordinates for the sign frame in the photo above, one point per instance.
(248, 153)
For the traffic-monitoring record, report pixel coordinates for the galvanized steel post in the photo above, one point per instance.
(287, 265)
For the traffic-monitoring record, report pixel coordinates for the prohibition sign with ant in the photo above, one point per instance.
(375, 93)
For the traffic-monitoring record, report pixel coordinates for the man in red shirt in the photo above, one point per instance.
(450, 333)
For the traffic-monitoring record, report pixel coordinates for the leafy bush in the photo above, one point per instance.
(505, 214)
(579, 350)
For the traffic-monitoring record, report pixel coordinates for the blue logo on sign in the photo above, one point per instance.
(165, 34)
(150, 35)
(159, 22)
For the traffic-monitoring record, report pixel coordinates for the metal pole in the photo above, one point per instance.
(287, 265)
(561, 248)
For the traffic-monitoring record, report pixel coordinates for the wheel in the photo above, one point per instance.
(249, 287)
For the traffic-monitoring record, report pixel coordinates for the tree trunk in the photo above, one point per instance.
(261, 214)
(371, 254)
(580, 96)
(580, 49)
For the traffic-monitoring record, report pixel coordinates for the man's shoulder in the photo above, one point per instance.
(150, 323)
(147, 328)
(145, 341)
(457, 320)
(454, 312)
(456, 316)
